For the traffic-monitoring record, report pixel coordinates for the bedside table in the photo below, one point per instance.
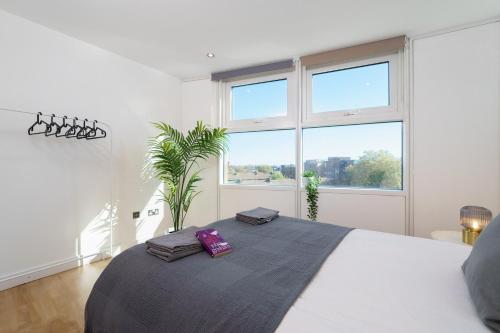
(448, 236)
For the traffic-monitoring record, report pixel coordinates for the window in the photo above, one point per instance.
(260, 103)
(260, 158)
(360, 152)
(362, 88)
(259, 100)
(351, 88)
(358, 156)
(260, 112)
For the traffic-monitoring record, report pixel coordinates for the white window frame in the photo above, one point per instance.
(371, 114)
(394, 112)
(223, 161)
(267, 123)
(299, 98)
(361, 190)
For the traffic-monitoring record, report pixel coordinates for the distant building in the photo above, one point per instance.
(313, 165)
(288, 171)
(335, 170)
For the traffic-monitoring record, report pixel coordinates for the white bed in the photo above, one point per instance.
(379, 282)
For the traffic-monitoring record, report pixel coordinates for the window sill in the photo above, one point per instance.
(338, 190)
(360, 191)
(258, 187)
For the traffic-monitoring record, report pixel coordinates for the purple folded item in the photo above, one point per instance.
(213, 243)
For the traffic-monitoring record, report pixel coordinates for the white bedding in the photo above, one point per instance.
(378, 282)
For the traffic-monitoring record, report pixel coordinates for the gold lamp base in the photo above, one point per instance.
(469, 236)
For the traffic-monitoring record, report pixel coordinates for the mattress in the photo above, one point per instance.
(379, 282)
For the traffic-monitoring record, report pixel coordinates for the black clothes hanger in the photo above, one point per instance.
(96, 132)
(38, 122)
(74, 129)
(92, 132)
(64, 125)
(53, 128)
(65, 129)
(84, 131)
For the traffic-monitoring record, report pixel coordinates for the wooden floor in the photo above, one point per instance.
(52, 304)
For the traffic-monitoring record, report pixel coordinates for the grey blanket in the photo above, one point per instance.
(248, 290)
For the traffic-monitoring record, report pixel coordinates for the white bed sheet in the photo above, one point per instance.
(379, 282)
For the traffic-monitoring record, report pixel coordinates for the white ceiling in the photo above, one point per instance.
(175, 35)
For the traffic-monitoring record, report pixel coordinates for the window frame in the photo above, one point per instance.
(360, 115)
(265, 123)
(354, 189)
(299, 108)
(223, 160)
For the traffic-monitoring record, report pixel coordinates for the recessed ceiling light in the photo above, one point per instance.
(210, 55)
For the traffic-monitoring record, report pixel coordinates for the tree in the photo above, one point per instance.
(378, 169)
(264, 169)
(277, 175)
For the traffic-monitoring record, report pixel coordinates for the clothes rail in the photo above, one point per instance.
(65, 118)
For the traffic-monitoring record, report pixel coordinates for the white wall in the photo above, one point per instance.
(371, 211)
(55, 193)
(234, 200)
(456, 123)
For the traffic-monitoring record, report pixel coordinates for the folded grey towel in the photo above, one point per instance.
(168, 256)
(179, 241)
(252, 221)
(257, 215)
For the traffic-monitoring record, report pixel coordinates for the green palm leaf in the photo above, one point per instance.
(172, 157)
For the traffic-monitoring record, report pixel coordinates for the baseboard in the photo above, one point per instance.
(39, 272)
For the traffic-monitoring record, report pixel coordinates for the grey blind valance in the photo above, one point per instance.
(381, 47)
(279, 66)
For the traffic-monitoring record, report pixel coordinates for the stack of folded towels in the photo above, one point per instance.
(176, 245)
(257, 215)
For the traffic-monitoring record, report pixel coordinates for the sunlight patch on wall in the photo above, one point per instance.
(148, 226)
(96, 237)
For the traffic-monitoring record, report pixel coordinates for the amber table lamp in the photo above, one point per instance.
(474, 219)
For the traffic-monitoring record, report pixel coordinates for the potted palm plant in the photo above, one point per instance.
(174, 159)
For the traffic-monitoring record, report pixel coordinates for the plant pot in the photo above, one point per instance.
(172, 230)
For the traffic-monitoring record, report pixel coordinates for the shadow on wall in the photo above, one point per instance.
(96, 239)
(149, 226)
(112, 229)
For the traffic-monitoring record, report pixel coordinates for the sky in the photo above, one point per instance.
(356, 88)
(278, 147)
(268, 99)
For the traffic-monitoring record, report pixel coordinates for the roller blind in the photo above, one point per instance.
(279, 66)
(381, 47)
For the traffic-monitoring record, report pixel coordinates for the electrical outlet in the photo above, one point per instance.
(152, 212)
(136, 215)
